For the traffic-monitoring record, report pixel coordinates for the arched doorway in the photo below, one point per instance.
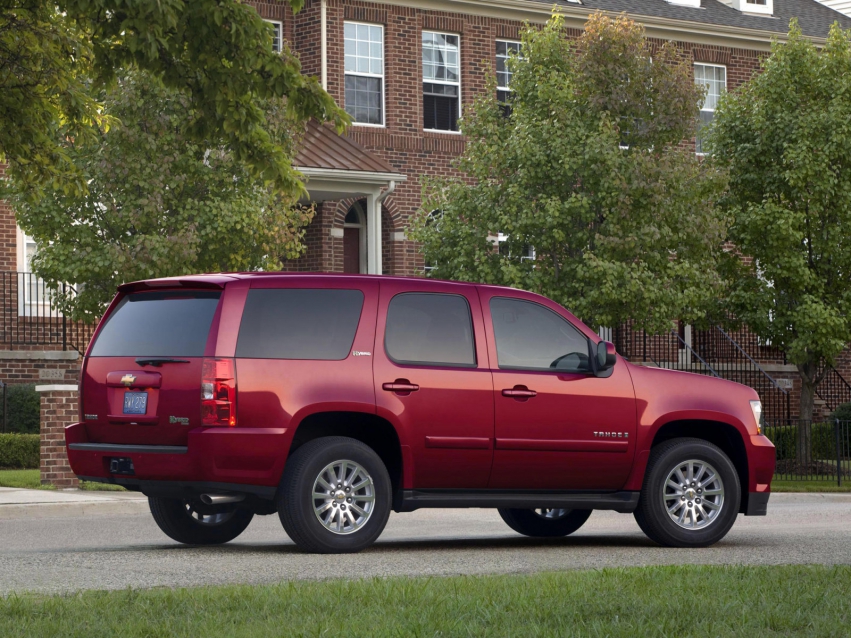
(354, 240)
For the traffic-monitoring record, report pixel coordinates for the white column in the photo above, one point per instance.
(373, 234)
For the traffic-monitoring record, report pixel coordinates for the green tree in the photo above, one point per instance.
(158, 203)
(218, 51)
(785, 138)
(588, 171)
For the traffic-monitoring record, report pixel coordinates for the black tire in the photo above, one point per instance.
(296, 503)
(533, 523)
(652, 512)
(174, 517)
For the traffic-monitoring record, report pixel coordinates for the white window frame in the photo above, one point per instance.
(27, 307)
(702, 109)
(519, 44)
(382, 77)
(748, 6)
(279, 27)
(502, 237)
(458, 84)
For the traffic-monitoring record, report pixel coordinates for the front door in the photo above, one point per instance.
(433, 382)
(558, 427)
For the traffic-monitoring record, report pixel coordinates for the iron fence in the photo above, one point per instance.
(710, 352)
(833, 389)
(811, 451)
(30, 318)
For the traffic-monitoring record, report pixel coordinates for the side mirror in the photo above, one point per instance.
(606, 356)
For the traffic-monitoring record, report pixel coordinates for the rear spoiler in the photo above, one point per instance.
(204, 282)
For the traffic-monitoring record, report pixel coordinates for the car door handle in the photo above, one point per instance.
(519, 392)
(400, 386)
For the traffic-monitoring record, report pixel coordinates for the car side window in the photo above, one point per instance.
(530, 336)
(299, 324)
(430, 329)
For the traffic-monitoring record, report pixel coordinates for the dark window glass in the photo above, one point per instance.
(532, 337)
(158, 324)
(299, 324)
(440, 107)
(432, 329)
(363, 99)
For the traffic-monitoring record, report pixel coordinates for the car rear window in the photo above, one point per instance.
(299, 324)
(158, 324)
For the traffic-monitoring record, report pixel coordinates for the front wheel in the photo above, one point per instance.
(691, 494)
(544, 523)
(193, 523)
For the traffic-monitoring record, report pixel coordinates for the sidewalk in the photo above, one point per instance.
(21, 503)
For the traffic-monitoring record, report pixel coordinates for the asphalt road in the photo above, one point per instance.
(119, 551)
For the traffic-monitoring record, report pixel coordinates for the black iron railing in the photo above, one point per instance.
(711, 352)
(821, 452)
(833, 389)
(28, 316)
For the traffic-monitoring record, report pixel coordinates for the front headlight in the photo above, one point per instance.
(756, 408)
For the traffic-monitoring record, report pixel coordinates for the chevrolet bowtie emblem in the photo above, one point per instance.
(128, 380)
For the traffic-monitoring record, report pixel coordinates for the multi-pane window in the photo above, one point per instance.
(441, 81)
(714, 78)
(277, 36)
(364, 52)
(504, 50)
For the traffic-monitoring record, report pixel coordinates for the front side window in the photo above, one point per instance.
(299, 323)
(158, 324)
(364, 62)
(430, 329)
(532, 337)
(504, 50)
(441, 81)
(714, 78)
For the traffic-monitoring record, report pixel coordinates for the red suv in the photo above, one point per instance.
(333, 399)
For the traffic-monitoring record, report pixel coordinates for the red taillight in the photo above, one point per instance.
(218, 393)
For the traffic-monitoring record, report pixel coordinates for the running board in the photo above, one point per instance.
(410, 500)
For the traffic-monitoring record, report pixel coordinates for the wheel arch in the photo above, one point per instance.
(724, 435)
(371, 429)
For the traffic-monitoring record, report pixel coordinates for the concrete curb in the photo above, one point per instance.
(73, 510)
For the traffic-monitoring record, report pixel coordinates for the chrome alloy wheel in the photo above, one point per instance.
(693, 494)
(343, 497)
(210, 520)
(551, 514)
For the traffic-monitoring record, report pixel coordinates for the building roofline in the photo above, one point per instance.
(577, 15)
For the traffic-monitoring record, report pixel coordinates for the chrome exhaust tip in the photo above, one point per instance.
(220, 499)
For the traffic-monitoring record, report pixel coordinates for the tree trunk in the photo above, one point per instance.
(805, 414)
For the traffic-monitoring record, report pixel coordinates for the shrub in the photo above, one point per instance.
(843, 412)
(785, 439)
(23, 409)
(19, 451)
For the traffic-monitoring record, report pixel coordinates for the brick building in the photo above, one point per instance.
(406, 72)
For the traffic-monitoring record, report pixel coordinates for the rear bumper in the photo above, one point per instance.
(250, 457)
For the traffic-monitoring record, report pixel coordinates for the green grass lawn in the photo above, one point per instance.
(810, 486)
(648, 601)
(32, 480)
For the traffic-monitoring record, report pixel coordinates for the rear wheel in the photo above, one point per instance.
(544, 523)
(193, 523)
(691, 494)
(335, 496)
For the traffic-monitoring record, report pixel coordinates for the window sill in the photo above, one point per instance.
(368, 125)
(441, 132)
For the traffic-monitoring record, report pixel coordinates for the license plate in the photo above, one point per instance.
(135, 402)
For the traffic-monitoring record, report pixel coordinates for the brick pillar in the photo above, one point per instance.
(58, 409)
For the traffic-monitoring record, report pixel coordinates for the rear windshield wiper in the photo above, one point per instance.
(158, 362)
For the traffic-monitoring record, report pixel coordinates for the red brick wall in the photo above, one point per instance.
(8, 239)
(58, 409)
(44, 371)
(402, 142)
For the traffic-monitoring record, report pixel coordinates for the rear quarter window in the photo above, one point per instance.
(158, 324)
(299, 324)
